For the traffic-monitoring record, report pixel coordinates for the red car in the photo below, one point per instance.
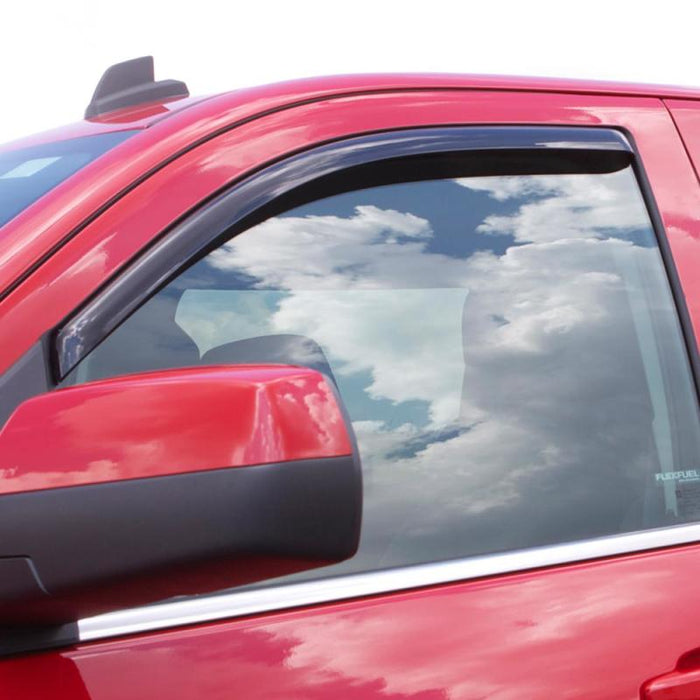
(357, 387)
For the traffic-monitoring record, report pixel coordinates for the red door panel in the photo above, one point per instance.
(592, 631)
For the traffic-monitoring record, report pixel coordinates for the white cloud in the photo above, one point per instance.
(562, 206)
(527, 361)
(409, 340)
(373, 248)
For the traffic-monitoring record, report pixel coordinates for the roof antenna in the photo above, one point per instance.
(131, 83)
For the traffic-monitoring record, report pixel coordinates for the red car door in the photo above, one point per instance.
(499, 284)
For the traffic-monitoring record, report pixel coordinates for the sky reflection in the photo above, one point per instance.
(506, 347)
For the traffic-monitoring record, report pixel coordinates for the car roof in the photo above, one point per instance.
(144, 116)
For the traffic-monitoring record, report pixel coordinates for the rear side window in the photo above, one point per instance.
(507, 347)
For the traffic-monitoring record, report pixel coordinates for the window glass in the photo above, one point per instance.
(506, 346)
(28, 173)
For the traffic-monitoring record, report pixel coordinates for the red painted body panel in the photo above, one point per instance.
(171, 422)
(677, 685)
(686, 114)
(592, 631)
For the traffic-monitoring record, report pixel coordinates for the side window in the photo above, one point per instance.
(506, 345)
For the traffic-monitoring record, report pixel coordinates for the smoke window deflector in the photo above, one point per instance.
(349, 164)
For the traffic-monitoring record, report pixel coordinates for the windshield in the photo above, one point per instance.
(28, 173)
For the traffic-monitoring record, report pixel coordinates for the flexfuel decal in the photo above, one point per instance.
(686, 486)
(688, 475)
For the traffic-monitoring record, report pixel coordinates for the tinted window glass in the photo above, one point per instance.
(28, 173)
(507, 348)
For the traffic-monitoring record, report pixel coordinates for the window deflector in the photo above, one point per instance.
(561, 148)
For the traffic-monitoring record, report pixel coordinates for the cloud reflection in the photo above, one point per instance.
(537, 411)
(504, 346)
(518, 636)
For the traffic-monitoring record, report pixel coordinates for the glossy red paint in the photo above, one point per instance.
(686, 114)
(171, 422)
(592, 631)
(83, 264)
(677, 685)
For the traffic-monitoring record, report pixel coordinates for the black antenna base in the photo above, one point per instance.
(131, 83)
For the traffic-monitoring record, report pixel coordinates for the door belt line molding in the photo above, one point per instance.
(284, 597)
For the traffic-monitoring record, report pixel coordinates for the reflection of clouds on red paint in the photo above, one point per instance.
(128, 429)
(328, 423)
(309, 395)
(517, 636)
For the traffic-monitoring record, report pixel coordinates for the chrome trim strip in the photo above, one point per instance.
(231, 605)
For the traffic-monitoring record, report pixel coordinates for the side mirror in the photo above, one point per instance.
(121, 492)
